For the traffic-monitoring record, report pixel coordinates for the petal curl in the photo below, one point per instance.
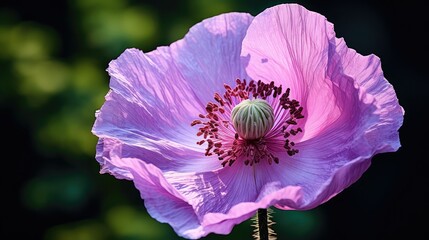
(229, 196)
(155, 96)
(161, 200)
(193, 216)
(380, 112)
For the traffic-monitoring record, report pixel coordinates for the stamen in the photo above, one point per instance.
(253, 119)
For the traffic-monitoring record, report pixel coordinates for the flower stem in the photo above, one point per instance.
(263, 224)
(262, 221)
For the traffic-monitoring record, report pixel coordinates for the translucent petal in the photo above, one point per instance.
(155, 96)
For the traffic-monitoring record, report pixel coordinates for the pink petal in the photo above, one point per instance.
(352, 112)
(161, 200)
(221, 201)
(318, 178)
(216, 191)
(293, 52)
(209, 55)
(378, 103)
(228, 196)
(222, 223)
(289, 45)
(196, 204)
(165, 159)
(155, 96)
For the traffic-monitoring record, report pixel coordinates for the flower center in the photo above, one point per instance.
(252, 119)
(262, 116)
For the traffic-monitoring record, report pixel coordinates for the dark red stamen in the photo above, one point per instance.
(214, 123)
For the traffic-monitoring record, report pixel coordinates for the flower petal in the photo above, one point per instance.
(223, 222)
(293, 49)
(210, 53)
(380, 113)
(366, 122)
(230, 195)
(293, 52)
(216, 191)
(188, 216)
(155, 96)
(351, 111)
(318, 179)
(161, 200)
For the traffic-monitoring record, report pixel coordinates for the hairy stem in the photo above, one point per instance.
(263, 224)
(262, 221)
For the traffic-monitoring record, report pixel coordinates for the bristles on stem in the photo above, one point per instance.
(262, 223)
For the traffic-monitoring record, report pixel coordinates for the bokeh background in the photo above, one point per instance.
(53, 56)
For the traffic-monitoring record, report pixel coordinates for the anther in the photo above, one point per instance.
(252, 120)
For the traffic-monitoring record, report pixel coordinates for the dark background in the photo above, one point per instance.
(53, 56)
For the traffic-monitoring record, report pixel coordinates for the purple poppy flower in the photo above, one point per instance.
(245, 113)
